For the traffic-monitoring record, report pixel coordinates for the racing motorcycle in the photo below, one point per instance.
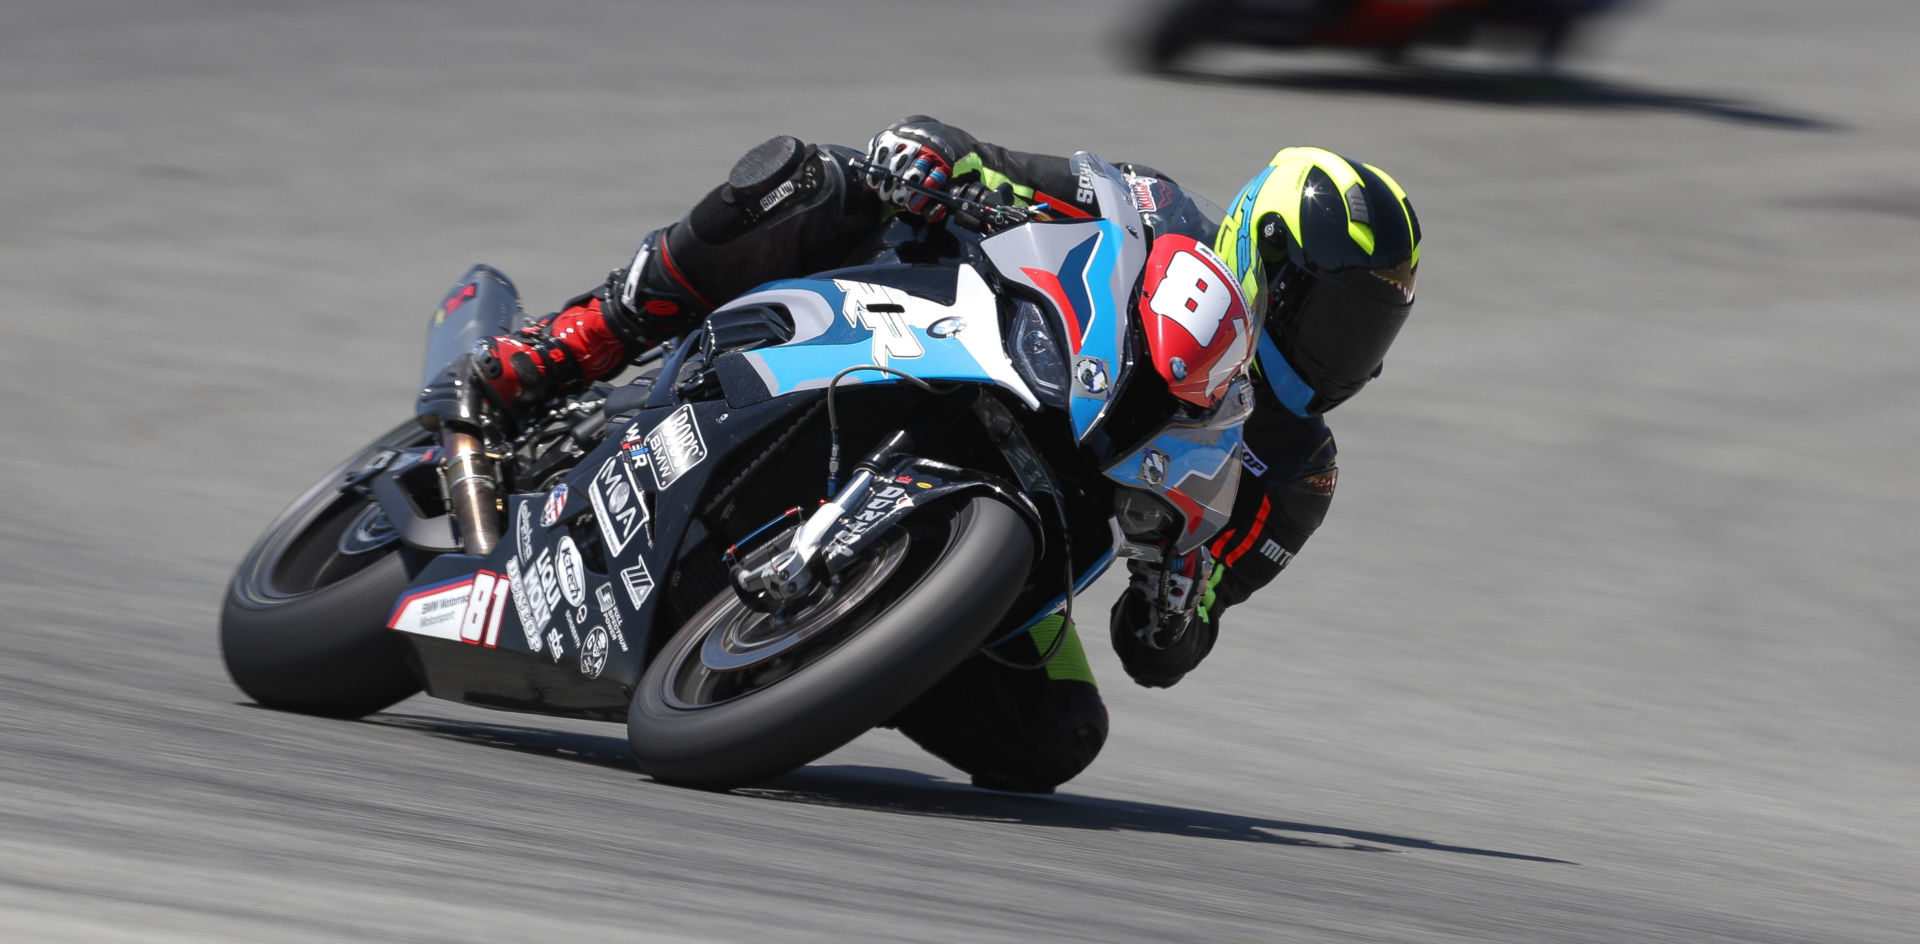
(1389, 28)
(794, 520)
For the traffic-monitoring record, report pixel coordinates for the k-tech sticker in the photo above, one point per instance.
(675, 446)
(573, 571)
(617, 504)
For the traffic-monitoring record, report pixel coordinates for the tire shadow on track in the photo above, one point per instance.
(914, 793)
(1516, 89)
(919, 794)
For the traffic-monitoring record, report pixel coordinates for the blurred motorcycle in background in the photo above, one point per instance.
(1387, 28)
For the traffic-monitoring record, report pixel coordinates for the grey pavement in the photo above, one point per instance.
(1610, 636)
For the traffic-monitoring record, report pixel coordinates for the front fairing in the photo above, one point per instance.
(1087, 271)
(1193, 464)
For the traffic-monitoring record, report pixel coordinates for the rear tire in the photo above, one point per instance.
(304, 627)
(960, 569)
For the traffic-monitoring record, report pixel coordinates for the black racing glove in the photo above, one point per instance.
(1159, 655)
(915, 150)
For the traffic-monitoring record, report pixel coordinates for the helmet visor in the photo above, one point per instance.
(1335, 336)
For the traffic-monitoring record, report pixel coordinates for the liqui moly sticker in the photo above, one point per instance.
(526, 613)
(573, 571)
(675, 446)
(467, 609)
(556, 505)
(617, 504)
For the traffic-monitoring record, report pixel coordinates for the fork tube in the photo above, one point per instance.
(473, 492)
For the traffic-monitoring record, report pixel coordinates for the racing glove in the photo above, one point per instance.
(915, 151)
(1165, 624)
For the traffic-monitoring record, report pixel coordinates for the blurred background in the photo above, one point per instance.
(1609, 636)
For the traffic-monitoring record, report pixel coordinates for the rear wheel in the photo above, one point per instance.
(304, 625)
(739, 695)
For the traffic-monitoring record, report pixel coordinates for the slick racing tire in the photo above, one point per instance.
(304, 627)
(786, 693)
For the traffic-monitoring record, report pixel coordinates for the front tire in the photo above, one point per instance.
(304, 627)
(906, 618)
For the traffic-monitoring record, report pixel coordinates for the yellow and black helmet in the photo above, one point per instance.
(1328, 248)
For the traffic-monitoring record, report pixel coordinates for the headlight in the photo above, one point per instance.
(1142, 516)
(1035, 353)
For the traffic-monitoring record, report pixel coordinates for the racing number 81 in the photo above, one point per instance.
(1193, 294)
(486, 603)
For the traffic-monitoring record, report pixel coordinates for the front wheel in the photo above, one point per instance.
(739, 695)
(305, 623)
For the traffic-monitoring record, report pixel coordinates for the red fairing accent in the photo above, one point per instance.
(1198, 332)
(1050, 284)
(1064, 207)
(584, 332)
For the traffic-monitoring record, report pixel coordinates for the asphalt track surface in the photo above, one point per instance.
(1610, 636)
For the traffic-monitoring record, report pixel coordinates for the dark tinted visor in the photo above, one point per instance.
(1340, 334)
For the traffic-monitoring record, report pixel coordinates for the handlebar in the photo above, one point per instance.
(982, 217)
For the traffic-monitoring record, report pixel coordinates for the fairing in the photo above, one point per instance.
(1087, 271)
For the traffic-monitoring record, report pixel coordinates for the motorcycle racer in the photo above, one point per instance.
(1326, 247)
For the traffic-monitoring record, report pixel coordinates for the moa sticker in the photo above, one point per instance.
(615, 494)
(573, 570)
(674, 446)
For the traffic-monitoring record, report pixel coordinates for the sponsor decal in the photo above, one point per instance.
(638, 582)
(1153, 468)
(1083, 193)
(573, 570)
(1142, 194)
(556, 505)
(593, 653)
(1251, 461)
(553, 643)
(1272, 551)
(1090, 375)
(467, 610)
(615, 494)
(675, 446)
(528, 626)
(523, 531)
(459, 297)
(877, 507)
(603, 595)
(946, 327)
(779, 193)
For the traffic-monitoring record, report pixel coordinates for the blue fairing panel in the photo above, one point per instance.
(840, 323)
